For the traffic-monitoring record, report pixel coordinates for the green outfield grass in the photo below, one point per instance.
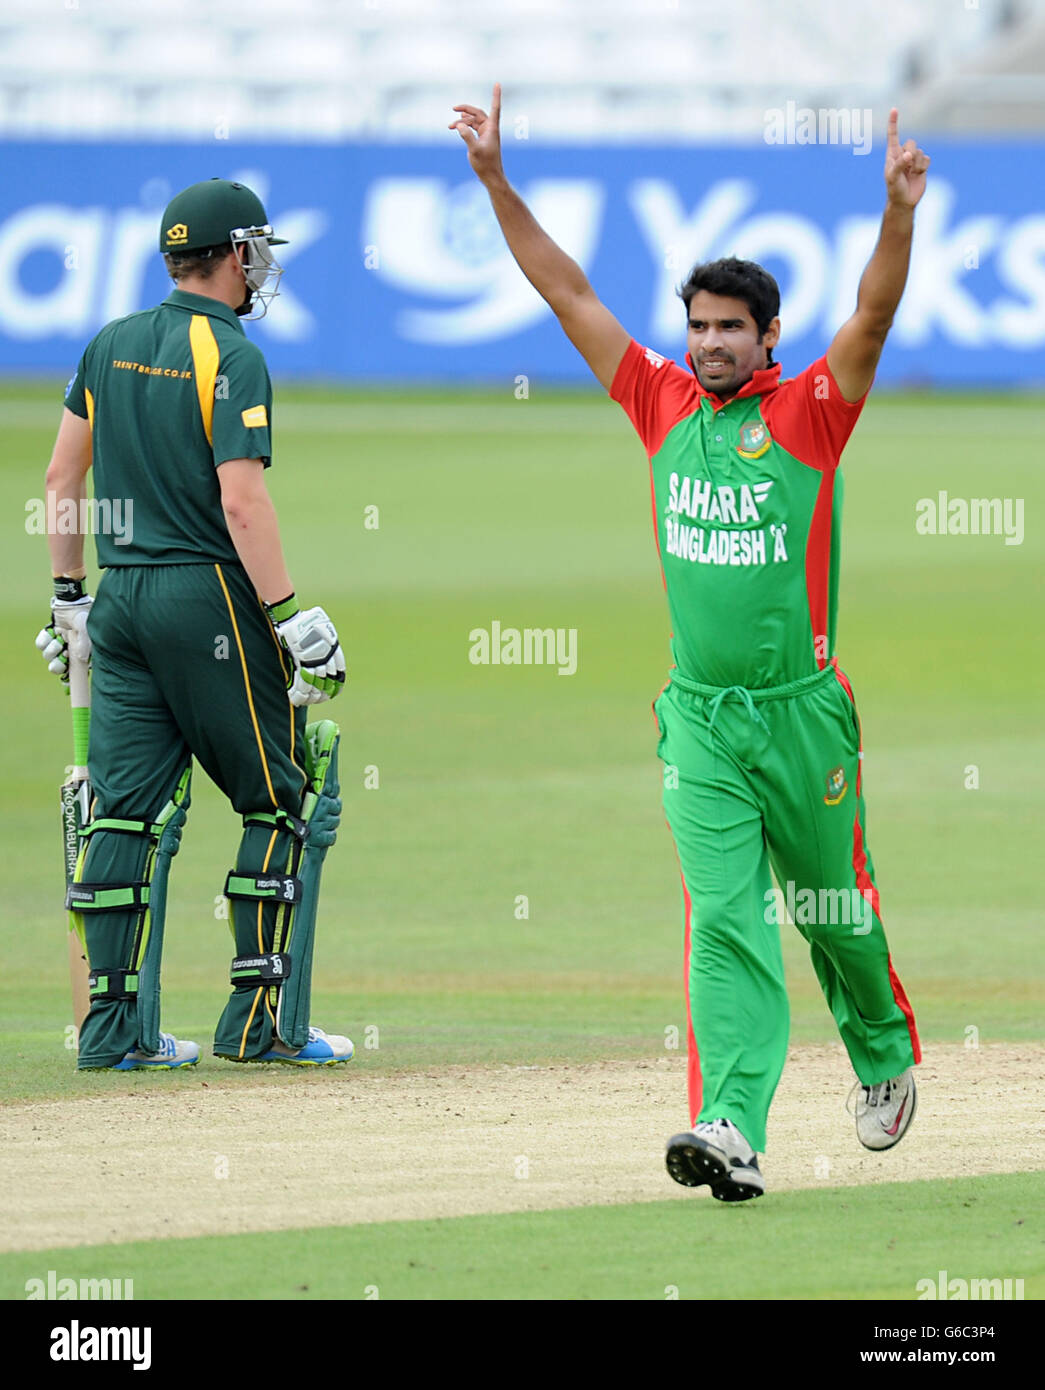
(897, 1234)
(498, 784)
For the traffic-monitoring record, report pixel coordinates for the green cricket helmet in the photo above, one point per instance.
(217, 213)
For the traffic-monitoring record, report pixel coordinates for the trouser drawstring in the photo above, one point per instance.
(745, 695)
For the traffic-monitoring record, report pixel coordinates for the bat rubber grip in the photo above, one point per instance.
(81, 730)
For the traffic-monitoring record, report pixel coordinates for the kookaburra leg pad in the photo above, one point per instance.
(145, 897)
(321, 811)
(280, 972)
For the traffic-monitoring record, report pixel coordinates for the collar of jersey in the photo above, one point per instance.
(761, 382)
(200, 304)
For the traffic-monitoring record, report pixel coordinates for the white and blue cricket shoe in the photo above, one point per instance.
(173, 1053)
(321, 1050)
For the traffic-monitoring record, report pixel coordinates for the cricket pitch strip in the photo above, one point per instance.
(344, 1146)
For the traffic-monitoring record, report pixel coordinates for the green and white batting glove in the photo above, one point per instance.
(70, 609)
(311, 641)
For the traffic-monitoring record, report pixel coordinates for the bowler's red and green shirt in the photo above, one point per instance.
(747, 508)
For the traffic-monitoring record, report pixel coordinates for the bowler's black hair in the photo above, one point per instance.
(736, 279)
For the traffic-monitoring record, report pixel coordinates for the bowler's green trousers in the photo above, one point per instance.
(755, 779)
(185, 664)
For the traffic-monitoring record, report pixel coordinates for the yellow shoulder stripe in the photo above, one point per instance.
(90, 407)
(205, 360)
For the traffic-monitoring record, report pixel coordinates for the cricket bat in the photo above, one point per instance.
(76, 810)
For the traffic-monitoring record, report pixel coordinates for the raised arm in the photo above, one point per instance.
(558, 279)
(857, 346)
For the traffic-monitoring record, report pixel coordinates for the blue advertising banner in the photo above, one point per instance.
(396, 270)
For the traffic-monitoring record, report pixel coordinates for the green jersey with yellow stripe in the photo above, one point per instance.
(170, 393)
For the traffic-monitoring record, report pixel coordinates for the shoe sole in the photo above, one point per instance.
(883, 1148)
(694, 1165)
(146, 1066)
(284, 1061)
(304, 1062)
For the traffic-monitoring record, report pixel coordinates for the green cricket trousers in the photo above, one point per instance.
(761, 779)
(185, 664)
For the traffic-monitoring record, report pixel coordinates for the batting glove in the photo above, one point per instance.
(70, 609)
(311, 641)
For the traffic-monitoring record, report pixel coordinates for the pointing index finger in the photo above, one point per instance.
(893, 137)
(495, 104)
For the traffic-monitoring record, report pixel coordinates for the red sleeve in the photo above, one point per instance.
(809, 418)
(655, 392)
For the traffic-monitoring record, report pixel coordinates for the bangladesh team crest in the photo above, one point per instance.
(837, 786)
(754, 440)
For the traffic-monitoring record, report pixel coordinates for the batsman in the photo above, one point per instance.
(757, 725)
(198, 650)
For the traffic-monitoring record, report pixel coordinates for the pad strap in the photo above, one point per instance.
(280, 820)
(279, 888)
(106, 897)
(152, 830)
(113, 984)
(260, 970)
(123, 827)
